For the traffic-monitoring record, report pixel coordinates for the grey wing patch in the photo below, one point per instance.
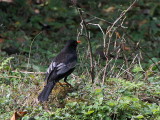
(60, 66)
(51, 67)
(65, 68)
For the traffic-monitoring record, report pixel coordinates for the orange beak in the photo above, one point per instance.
(78, 41)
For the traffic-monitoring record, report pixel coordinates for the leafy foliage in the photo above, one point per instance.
(38, 29)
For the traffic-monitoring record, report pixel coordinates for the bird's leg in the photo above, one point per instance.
(65, 80)
(61, 84)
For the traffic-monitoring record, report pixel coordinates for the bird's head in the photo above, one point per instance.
(72, 44)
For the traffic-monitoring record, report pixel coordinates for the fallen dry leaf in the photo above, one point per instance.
(1, 40)
(118, 35)
(127, 48)
(142, 22)
(49, 19)
(21, 40)
(18, 115)
(110, 9)
(37, 11)
(9, 1)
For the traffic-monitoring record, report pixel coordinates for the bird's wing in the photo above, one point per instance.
(50, 70)
(60, 68)
(63, 68)
(51, 67)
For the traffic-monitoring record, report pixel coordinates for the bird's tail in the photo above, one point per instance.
(43, 96)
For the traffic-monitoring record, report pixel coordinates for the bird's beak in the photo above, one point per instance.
(78, 41)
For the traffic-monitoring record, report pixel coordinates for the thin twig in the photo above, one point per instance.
(10, 77)
(121, 15)
(30, 49)
(26, 72)
(105, 69)
(84, 25)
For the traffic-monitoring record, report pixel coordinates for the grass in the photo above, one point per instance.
(116, 99)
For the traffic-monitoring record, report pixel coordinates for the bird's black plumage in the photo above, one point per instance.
(61, 66)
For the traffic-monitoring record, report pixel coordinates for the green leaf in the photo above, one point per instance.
(98, 90)
(90, 112)
(139, 116)
(137, 69)
(112, 103)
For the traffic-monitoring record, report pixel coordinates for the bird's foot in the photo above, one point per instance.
(61, 84)
(65, 83)
(68, 84)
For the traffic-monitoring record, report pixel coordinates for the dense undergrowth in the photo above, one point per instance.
(116, 99)
(126, 85)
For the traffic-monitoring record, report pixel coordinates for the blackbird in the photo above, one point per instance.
(61, 67)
